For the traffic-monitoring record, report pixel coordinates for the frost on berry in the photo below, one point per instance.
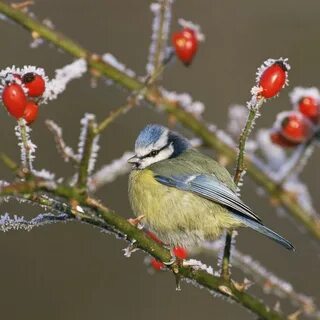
(268, 63)
(193, 26)
(300, 92)
(160, 29)
(269, 85)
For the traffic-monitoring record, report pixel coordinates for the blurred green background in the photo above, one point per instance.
(74, 271)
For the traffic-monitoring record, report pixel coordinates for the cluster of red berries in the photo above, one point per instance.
(179, 252)
(21, 94)
(299, 125)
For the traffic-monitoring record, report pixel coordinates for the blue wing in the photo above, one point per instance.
(209, 187)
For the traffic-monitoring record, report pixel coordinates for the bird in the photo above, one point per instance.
(184, 196)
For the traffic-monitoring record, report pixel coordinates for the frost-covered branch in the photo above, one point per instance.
(296, 162)
(62, 77)
(269, 282)
(27, 147)
(8, 223)
(87, 149)
(65, 151)
(160, 30)
(110, 172)
(92, 212)
(155, 98)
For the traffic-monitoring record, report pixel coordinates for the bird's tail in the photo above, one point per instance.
(268, 232)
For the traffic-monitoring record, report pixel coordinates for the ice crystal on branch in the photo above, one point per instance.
(65, 151)
(86, 121)
(63, 76)
(110, 172)
(160, 30)
(185, 101)
(112, 60)
(27, 147)
(20, 223)
(198, 265)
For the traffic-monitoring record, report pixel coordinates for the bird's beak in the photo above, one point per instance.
(133, 160)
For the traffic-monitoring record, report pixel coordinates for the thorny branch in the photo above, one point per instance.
(154, 97)
(77, 205)
(93, 212)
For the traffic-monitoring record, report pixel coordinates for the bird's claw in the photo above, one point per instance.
(136, 222)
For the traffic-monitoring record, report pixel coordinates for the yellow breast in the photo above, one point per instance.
(178, 217)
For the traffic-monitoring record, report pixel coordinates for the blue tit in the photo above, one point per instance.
(184, 196)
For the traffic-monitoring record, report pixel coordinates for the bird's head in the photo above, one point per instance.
(156, 143)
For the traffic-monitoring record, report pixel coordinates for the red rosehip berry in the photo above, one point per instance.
(14, 99)
(296, 128)
(185, 43)
(281, 141)
(180, 252)
(156, 264)
(310, 108)
(31, 112)
(273, 79)
(34, 83)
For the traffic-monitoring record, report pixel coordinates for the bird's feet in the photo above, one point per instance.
(136, 222)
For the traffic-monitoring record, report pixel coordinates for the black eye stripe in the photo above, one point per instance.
(157, 152)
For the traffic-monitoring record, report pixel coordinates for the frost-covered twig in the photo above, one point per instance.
(63, 76)
(155, 98)
(269, 282)
(96, 214)
(185, 101)
(65, 151)
(296, 163)
(160, 30)
(27, 147)
(20, 223)
(87, 149)
(110, 172)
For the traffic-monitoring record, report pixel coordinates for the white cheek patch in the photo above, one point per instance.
(160, 143)
(163, 154)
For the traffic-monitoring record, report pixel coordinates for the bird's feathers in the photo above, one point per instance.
(209, 187)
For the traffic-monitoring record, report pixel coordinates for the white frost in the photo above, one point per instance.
(62, 77)
(110, 172)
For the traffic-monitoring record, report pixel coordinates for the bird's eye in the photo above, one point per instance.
(153, 153)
